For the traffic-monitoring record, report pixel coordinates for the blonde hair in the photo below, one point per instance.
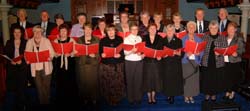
(176, 14)
(37, 27)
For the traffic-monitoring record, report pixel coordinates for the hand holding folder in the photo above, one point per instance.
(83, 50)
(138, 46)
(153, 53)
(112, 51)
(170, 52)
(227, 51)
(194, 47)
(180, 35)
(63, 48)
(16, 59)
(36, 57)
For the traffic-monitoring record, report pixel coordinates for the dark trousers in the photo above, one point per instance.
(134, 78)
(43, 86)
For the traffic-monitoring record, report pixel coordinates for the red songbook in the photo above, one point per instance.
(52, 37)
(86, 49)
(169, 52)
(162, 34)
(111, 51)
(139, 46)
(14, 59)
(200, 35)
(194, 47)
(29, 33)
(180, 35)
(227, 51)
(75, 38)
(223, 33)
(98, 34)
(63, 48)
(123, 34)
(36, 57)
(152, 53)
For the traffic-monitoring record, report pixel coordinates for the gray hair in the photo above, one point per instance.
(223, 9)
(213, 23)
(144, 13)
(170, 26)
(191, 23)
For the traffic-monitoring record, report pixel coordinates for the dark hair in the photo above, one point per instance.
(81, 14)
(58, 16)
(18, 27)
(64, 26)
(152, 24)
(109, 26)
(101, 20)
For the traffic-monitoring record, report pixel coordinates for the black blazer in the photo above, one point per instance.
(205, 24)
(9, 49)
(225, 29)
(28, 25)
(49, 28)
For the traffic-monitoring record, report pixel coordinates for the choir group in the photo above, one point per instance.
(111, 61)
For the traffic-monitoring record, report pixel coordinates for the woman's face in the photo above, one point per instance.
(59, 22)
(87, 31)
(102, 25)
(111, 32)
(38, 33)
(213, 29)
(231, 30)
(82, 19)
(124, 18)
(170, 32)
(157, 18)
(177, 19)
(63, 33)
(152, 30)
(134, 30)
(191, 29)
(17, 34)
(144, 18)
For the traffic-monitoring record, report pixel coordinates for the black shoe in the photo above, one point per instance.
(150, 102)
(171, 100)
(154, 102)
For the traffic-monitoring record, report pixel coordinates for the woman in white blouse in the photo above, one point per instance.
(133, 67)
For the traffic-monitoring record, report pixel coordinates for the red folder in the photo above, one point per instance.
(52, 37)
(180, 35)
(227, 51)
(152, 53)
(123, 34)
(29, 33)
(139, 46)
(86, 49)
(200, 35)
(223, 33)
(98, 34)
(63, 48)
(111, 51)
(162, 34)
(35, 57)
(14, 59)
(194, 47)
(169, 52)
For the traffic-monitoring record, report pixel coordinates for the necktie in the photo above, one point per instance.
(200, 27)
(222, 27)
(44, 28)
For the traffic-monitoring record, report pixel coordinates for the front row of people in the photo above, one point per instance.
(96, 73)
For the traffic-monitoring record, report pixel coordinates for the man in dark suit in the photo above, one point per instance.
(45, 23)
(223, 21)
(22, 20)
(202, 25)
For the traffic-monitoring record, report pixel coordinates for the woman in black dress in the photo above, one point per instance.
(212, 63)
(151, 66)
(111, 68)
(17, 72)
(233, 74)
(172, 67)
(65, 72)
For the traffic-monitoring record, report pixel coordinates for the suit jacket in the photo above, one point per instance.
(241, 48)
(205, 26)
(225, 29)
(50, 27)
(28, 25)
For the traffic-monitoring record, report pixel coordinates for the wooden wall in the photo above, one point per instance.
(99, 7)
